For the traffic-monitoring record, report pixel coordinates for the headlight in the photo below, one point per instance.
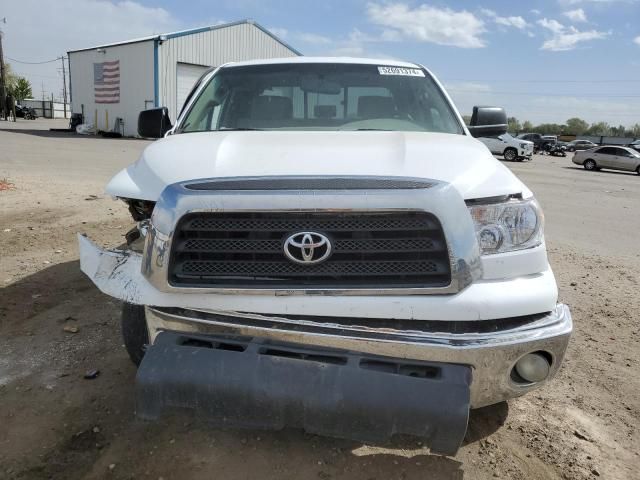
(523, 145)
(507, 226)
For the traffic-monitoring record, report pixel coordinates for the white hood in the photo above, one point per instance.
(457, 159)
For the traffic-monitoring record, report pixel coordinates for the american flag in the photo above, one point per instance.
(106, 81)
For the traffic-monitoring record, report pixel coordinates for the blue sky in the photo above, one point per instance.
(542, 60)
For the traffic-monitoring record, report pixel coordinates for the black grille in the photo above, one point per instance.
(369, 250)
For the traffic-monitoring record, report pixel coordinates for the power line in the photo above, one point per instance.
(33, 63)
(536, 81)
(540, 94)
(36, 75)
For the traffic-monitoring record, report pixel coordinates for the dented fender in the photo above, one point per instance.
(112, 270)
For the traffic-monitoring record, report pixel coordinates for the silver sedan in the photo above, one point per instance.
(615, 158)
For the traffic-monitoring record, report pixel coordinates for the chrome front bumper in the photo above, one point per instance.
(491, 356)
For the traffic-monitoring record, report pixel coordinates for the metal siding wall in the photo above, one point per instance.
(212, 48)
(136, 84)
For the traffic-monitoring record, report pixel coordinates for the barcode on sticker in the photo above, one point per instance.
(409, 72)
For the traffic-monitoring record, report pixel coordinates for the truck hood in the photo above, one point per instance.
(457, 159)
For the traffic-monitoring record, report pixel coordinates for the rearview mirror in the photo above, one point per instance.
(314, 84)
(488, 122)
(154, 123)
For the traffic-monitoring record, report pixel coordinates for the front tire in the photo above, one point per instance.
(590, 165)
(510, 154)
(134, 331)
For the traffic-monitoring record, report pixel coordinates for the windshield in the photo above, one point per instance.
(321, 97)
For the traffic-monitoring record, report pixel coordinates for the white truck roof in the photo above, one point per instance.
(362, 61)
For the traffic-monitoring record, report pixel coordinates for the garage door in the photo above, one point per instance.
(188, 75)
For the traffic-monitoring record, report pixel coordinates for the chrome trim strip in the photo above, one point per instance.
(441, 200)
(492, 355)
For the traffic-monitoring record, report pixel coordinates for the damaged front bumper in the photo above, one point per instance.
(260, 383)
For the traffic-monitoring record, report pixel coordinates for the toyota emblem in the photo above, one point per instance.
(307, 248)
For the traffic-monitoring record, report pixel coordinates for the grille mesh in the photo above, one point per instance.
(369, 250)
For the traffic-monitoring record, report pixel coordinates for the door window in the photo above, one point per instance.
(607, 151)
(623, 153)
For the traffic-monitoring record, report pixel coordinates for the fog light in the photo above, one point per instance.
(533, 367)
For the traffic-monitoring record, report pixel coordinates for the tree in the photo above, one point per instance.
(513, 125)
(576, 126)
(550, 129)
(527, 126)
(600, 128)
(10, 78)
(22, 89)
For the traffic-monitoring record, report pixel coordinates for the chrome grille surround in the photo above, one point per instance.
(437, 198)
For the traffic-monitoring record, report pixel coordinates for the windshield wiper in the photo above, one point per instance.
(347, 129)
(238, 129)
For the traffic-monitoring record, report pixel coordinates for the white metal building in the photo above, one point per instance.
(159, 70)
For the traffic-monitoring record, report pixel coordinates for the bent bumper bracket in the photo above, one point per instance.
(257, 383)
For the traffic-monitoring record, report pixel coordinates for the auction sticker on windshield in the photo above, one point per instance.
(410, 72)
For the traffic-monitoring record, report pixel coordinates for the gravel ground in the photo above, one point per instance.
(56, 424)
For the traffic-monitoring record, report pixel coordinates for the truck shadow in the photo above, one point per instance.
(60, 134)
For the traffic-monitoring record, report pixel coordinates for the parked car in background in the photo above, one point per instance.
(509, 147)
(580, 145)
(538, 140)
(615, 158)
(635, 145)
(550, 138)
(27, 113)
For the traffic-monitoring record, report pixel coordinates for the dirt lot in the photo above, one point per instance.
(56, 424)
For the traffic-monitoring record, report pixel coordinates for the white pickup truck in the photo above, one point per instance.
(509, 147)
(322, 243)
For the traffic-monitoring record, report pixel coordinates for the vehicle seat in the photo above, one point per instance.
(376, 107)
(271, 107)
(325, 111)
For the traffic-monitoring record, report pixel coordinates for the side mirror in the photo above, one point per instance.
(488, 122)
(154, 123)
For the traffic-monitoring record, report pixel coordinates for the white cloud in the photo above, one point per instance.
(313, 38)
(637, 40)
(535, 11)
(513, 21)
(425, 23)
(279, 32)
(567, 38)
(576, 15)
(488, 12)
(76, 24)
(517, 22)
(354, 44)
(467, 87)
(575, 2)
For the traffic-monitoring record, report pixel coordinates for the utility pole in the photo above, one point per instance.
(3, 82)
(64, 88)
